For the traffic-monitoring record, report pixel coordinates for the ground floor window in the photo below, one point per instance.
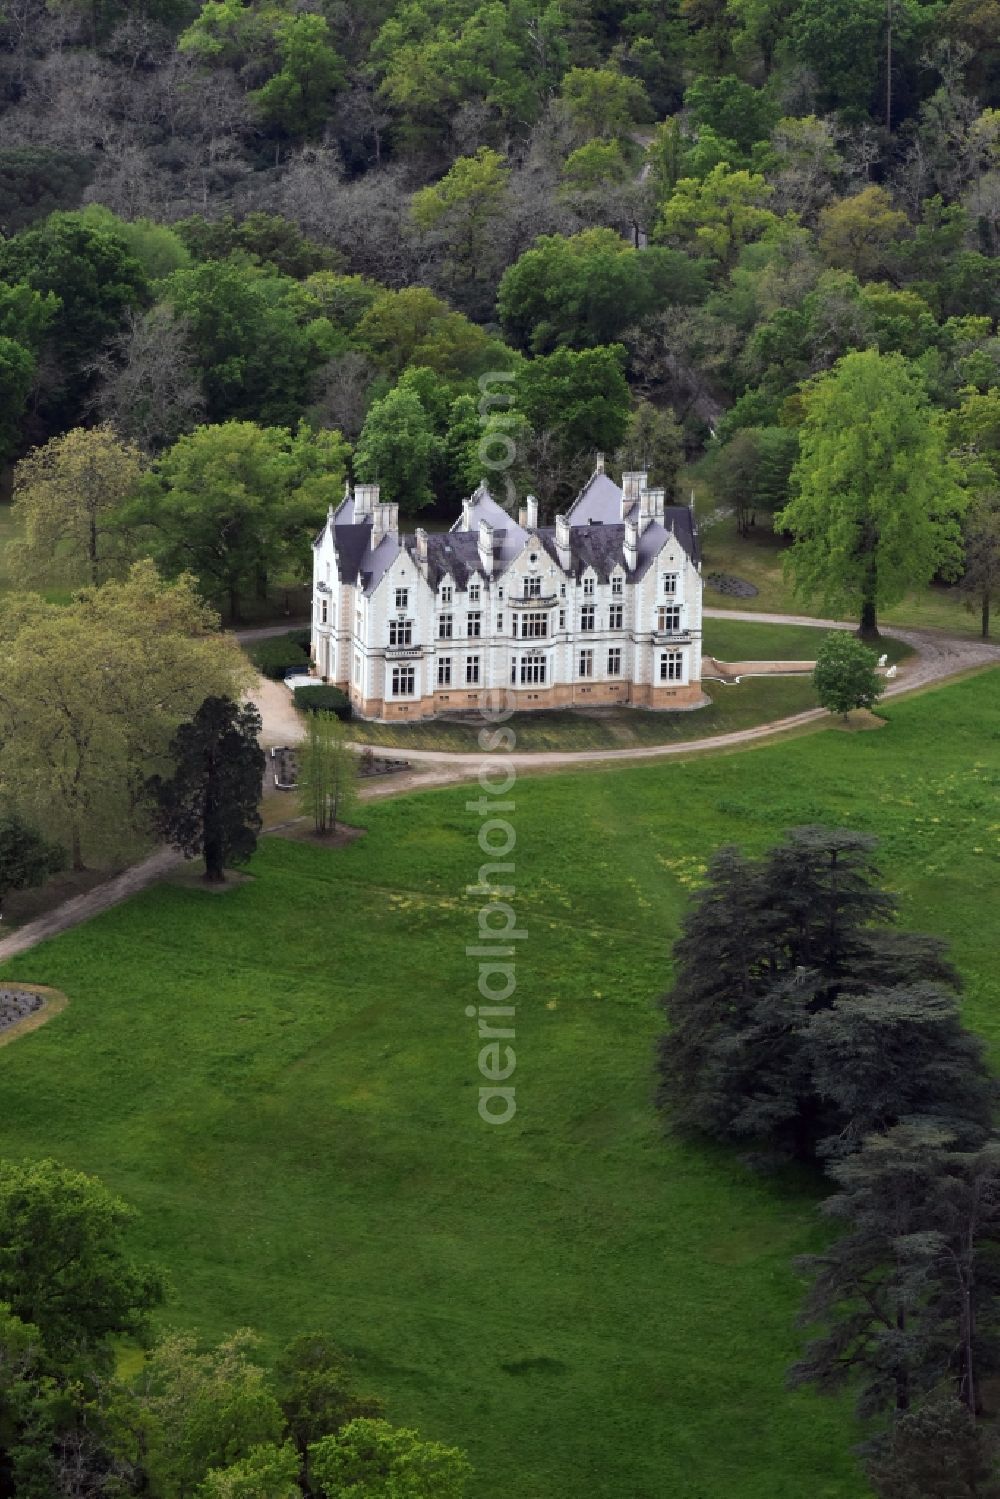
(444, 671)
(529, 671)
(671, 666)
(357, 671)
(404, 681)
(586, 664)
(472, 671)
(615, 661)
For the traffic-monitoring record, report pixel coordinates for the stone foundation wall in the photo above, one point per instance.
(532, 699)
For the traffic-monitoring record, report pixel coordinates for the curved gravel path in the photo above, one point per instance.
(939, 657)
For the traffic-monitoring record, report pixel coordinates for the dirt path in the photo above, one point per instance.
(82, 907)
(268, 632)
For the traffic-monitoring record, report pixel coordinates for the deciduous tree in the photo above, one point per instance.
(373, 1460)
(91, 692)
(299, 96)
(327, 773)
(582, 396)
(68, 497)
(150, 390)
(980, 580)
(209, 1410)
(257, 338)
(65, 1262)
(399, 449)
(876, 496)
(96, 279)
(267, 1472)
(845, 676)
(312, 1379)
(718, 215)
(237, 504)
(463, 210)
(863, 234)
(603, 103)
(586, 289)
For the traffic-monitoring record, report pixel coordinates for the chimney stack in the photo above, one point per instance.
(421, 540)
(486, 547)
(599, 465)
(632, 487)
(522, 516)
(631, 545)
(562, 542)
(365, 500)
(385, 520)
(532, 512)
(657, 503)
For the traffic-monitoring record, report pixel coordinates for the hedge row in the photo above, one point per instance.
(277, 654)
(323, 699)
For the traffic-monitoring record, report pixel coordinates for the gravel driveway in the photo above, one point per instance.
(938, 657)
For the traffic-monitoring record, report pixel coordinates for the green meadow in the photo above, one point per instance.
(284, 1080)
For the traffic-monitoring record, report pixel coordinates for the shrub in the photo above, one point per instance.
(845, 675)
(322, 699)
(277, 654)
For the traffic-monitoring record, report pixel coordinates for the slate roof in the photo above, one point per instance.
(599, 500)
(451, 553)
(597, 539)
(602, 547)
(351, 543)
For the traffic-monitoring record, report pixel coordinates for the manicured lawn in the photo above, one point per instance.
(284, 1080)
(740, 640)
(733, 707)
(759, 557)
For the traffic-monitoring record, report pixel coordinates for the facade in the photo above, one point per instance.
(603, 607)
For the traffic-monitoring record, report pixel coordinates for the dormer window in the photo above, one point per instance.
(588, 586)
(446, 593)
(617, 585)
(474, 592)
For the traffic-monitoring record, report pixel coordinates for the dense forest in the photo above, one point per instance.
(658, 221)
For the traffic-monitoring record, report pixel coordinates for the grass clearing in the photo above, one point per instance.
(285, 1081)
(740, 640)
(754, 701)
(759, 559)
